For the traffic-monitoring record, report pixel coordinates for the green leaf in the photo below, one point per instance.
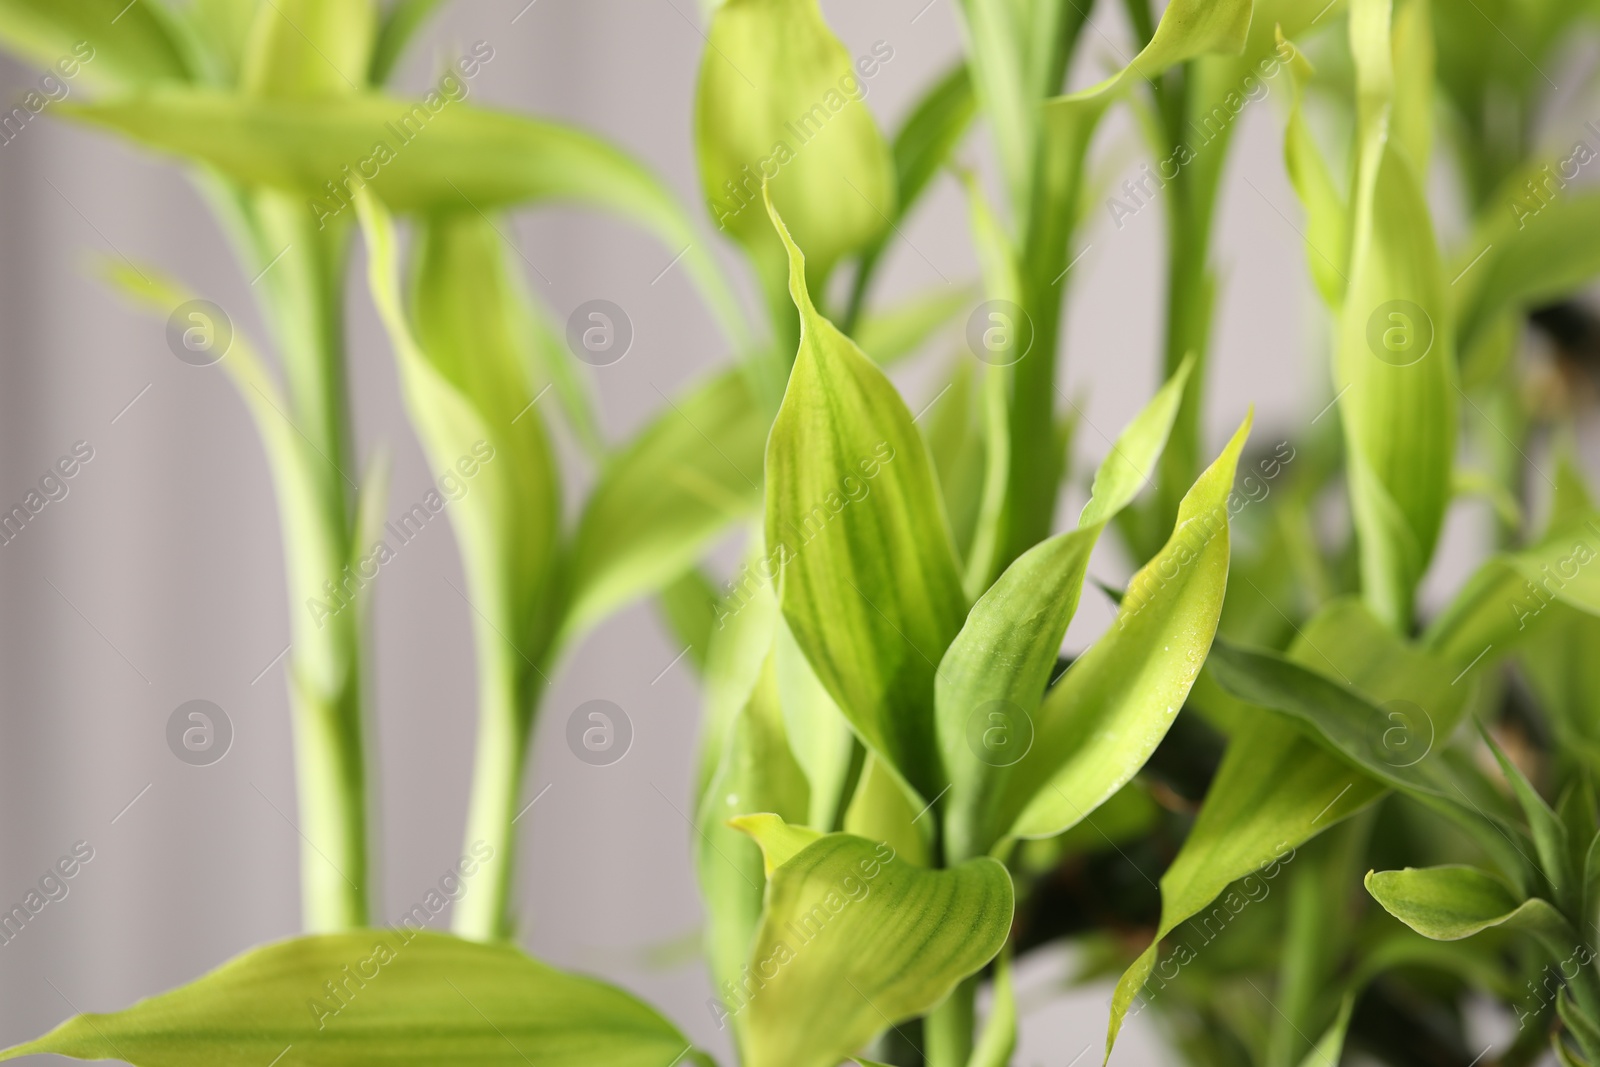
(1499, 606)
(465, 370)
(891, 335)
(688, 606)
(1395, 358)
(1276, 788)
(870, 587)
(1412, 130)
(1534, 253)
(1327, 215)
(994, 675)
(403, 997)
(1549, 834)
(400, 24)
(1102, 721)
(1454, 902)
(309, 48)
(855, 938)
(667, 496)
(427, 160)
(1389, 744)
(102, 41)
(1331, 1047)
(779, 101)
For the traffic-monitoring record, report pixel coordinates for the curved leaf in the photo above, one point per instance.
(1106, 716)
(402, 997)
(854, 520)
(1396, 354)
(426, 157)
(1007, 649)
(854, 938)
(1276, 788)
(1454, 902)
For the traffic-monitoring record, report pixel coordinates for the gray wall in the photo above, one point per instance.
(158, 580)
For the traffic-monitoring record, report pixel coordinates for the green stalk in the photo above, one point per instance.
(950, 1030)
(305, 297)
(506, 710)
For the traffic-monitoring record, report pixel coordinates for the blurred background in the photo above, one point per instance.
(158, 579)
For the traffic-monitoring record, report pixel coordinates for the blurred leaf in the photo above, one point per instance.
(854, 938)
(1412, 129)
(870, 587)
(400, 24)
(1277, 788)
(1556, 858)
(401, 997)
(779, 101)
(225, 27)
(465, 372)
(1104, 719)
(664, 499)
(689, 604)
(309, 48)
(108, 43)
(1327, 214)
(1386, 743)
(994, 675)
(900, 331)
(1396, 351)
(1532, 254)
(470, 159)
(954, 432)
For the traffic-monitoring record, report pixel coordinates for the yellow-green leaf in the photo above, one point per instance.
(416, 156)
(855, 938)
(994, 675)
(780, 101)
(403, 997)
(870, 586)
(105, 42)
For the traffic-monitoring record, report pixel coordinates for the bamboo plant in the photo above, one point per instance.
(1364, 808)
